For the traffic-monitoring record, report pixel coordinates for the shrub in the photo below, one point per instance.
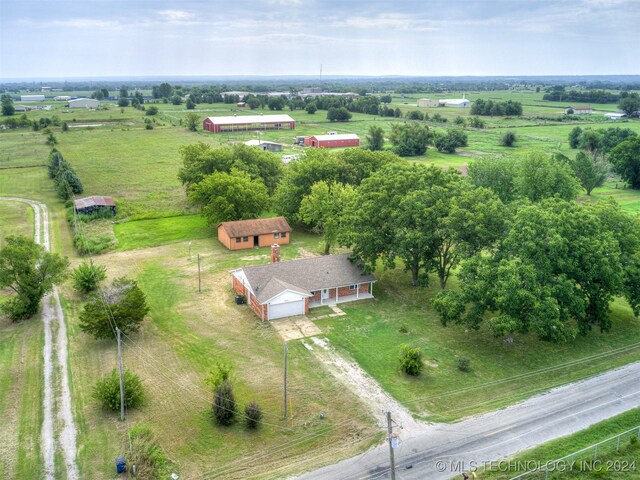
(107, 390)
(450, 141)
(508, 139)
(147, 455)
(311, 108)
(464, 364)
(410, 360)
(224, 403)
(151, 110)
(403, 329)
(222, 373)
(51, 139)
(253, 412)
(87, 276)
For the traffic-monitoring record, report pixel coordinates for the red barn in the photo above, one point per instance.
(248, 122)
(333, 141)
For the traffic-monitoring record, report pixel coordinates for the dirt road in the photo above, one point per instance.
(58, 427)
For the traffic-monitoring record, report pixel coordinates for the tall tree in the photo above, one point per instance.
(625, 159)
(540, 176)
(590, 169)
(229, 196)
(191, 121)
(324, 209)
(7, 105)
(410, 139)
(123, 304)
(30, 271)
(559, 264)
(375, 138)
(630, 103)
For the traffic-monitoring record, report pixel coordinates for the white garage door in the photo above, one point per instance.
(288, 309)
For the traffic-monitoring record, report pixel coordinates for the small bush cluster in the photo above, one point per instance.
(253, 413)
(508, 139)
(453, 139)
(87, 277)
(464, 364)
(107, 390)
(224, 403)
(224, 406)
(147, 455)
(410, 360)
(64, 176)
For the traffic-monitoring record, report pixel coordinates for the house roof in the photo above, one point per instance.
(249, 119)
(256, 226)
(581, 107)
(454, 100)
(95, 201)
(337, 136)
(307, 274)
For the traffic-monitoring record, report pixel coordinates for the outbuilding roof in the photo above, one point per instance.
(249, 119)
(337, 136)
(94, 201)
(256, 226)
(307, 274)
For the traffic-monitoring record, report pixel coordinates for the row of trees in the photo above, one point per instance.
(510, 108)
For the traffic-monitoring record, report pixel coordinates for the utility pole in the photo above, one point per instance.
(285, 379)
(199, 278)
(390, 432)
(121, 374)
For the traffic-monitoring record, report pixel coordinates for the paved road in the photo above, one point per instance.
(58, 427)
(443, 450)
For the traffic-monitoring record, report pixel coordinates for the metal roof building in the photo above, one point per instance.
(248, 122)
(333, 141)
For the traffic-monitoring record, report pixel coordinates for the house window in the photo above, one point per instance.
(245, 239)
(283, 235)
(238, 239)
(353, 287)
(276, 235)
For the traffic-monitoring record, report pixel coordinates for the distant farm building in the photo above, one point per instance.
(88, 205)
(241, 104)
(427, 102)
(84, 103)
(614, 116)
(32, 98)
(62, 98)
(248, 122)
(333, 141)
(580, 110)
(454, 102)
(258, 232)
(265, 145)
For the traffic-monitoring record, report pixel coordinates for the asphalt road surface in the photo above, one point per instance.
(443, 451)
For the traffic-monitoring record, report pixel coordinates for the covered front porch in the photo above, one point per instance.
(342, 294)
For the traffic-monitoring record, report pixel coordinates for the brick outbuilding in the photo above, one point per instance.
(258, 232)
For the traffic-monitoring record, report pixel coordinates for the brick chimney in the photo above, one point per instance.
(275, 253)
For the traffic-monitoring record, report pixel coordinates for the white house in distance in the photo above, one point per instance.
(580, 110)
(615, 116)
(84, 103)
(454, 102)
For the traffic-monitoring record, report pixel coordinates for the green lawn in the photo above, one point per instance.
(625, 458)
(157, 231)
(501, 374)
(15, 219)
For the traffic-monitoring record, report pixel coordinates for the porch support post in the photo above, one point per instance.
(336, 295)
(357, 291)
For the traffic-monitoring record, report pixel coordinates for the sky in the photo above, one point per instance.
(129, 38)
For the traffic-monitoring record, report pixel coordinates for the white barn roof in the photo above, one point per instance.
(249, 119)
(454, 101)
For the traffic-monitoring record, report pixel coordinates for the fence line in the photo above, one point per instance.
(552, 466)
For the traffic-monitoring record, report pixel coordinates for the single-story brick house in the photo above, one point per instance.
(88, 205)
(258, 232)
(284, 289)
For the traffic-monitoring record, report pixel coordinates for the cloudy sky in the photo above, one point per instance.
(94, 38)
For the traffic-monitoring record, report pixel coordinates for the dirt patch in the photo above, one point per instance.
(304, 253)
(364, 387)
(294, 328)
(431, 363)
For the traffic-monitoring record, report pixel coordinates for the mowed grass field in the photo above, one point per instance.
(187, 332)
(20, 371)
